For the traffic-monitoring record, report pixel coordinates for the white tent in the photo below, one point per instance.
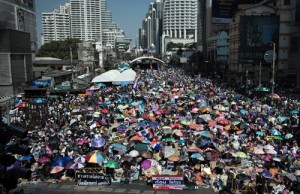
(115, 76)
(108, 76)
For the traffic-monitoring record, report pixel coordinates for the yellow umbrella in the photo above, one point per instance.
(203, 109)
(173, 158)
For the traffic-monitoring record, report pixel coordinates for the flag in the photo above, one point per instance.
(94, 124)
(136, 83)
(146, 133)
(170, 164)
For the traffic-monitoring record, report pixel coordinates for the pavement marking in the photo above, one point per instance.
(148, 192)
(119, 190)
(135, 191)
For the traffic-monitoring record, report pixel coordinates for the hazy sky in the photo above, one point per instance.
(127, 13)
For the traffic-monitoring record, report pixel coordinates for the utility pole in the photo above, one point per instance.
(273, 74)
(71, 61)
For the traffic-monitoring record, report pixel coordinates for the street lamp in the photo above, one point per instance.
(273, 74)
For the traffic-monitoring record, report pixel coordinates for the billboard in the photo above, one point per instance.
(256, 35)
(224, 10)
(21, 20)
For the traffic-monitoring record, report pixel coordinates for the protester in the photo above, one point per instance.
(171, 123)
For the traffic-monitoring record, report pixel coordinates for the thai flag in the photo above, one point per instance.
(187, 169)
(170, 164)
(155, 145)
(136, 83)
(94, 124)
(147, 133)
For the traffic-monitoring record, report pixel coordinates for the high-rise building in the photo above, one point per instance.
(86, 20)
(180, 19)
(21, 16)
(56, 24)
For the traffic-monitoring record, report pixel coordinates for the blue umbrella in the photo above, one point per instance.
(275, 132)
(259, 133)
(243, 112)
(25, 158)
(196, 155)
(108, 102)
(122, 128)
(153, 124)
(100, 85)
(62, 161)
(281, 119)
(267, 174)
(142, 124)
(202, 104)
(98, 142)
(206, 143)
(294, 111)
(118, 147)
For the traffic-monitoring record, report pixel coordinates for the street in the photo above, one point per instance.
(71, 188)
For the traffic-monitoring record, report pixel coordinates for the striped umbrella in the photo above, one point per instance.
(95, 157)
(77, 165)
(56, 169)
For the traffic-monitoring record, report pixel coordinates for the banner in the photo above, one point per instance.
(40, 83)
(92, 179)
(223, 10)
(168, 182)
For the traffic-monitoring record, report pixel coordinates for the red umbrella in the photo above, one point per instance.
(212, 123)
(223, 121)
(176, 126)
(105, 111)
(56, 169)
(44, 159)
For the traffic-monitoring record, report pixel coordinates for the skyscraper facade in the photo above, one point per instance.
(86, 17)
(21, 16)
(180, 19)
(56, 24)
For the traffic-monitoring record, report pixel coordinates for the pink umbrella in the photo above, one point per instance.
(267, 158)
(44, 159)
(269, 147)
(271, 151)
(82, 141)
(48, 150)
(157, 112)
(146, 164)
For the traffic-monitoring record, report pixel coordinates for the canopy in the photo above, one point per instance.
(108, 76)
(115, 76)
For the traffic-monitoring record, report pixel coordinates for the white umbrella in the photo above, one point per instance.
(258, 151)
(169, 151)
(269, 147)
(133, 153)
(271, 152)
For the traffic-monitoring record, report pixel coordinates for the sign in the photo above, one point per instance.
(223, 10)
(92, 179)
(268, 56)
(41, 83)
(168, 182)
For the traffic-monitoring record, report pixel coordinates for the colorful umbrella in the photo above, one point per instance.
(56, 169)
(77, 166)
(25, 158)
(80, 159)
(206, 134)
(95, 157)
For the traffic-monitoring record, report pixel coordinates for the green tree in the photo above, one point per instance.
(108, 65)
(60, 49)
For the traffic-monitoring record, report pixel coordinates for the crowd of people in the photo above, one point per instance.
(169, 123)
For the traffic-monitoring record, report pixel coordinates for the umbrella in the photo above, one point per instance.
(133, 153)
(258, 151)
(146, 154)
(194, 149)
(291, 176)
(44, 159)
(112, 164)
(288, 136)
(82, 141)
(276, 159)
(266, 174)
(241, 154)
(77, 166)
(196, 126)
(62, 161)
(267, 158)
(142, 147)
(79, 159)
(262, 89)
(243, 112)
(294, 111)
(95, 157)
(119, 147)
(235, 121)
(173, 158)
(268, 147)
(178, 133)
(153, 124)
(196, 155)
(167, 130)
(98, 142)
(56, 169)
(222, 121)
(25, 158)
(212, 123)
(206, 134)
(146, 164)
(276, 132)
(169, 151)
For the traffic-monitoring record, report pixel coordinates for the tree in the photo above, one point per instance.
(60, 49)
